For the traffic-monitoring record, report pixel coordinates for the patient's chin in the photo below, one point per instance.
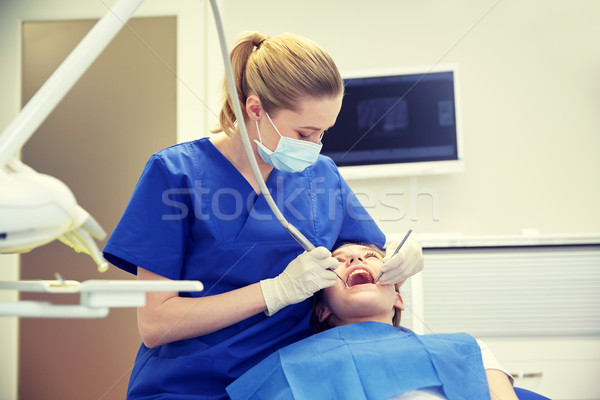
(367, 312)
(369, 299)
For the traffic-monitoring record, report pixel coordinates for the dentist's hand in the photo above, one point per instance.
(304, 276)
(407, 262)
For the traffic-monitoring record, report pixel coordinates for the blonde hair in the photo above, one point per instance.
(280, 70)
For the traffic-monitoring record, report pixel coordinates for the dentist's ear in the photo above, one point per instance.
(323, 312)
(254, 108)
(399, 303)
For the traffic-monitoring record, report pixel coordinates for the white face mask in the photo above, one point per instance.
(291, 155)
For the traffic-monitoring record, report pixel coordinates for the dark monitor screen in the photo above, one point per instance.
(396, 119)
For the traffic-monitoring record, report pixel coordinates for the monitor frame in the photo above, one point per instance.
(412, 168)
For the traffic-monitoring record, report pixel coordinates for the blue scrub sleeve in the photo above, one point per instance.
(153, 230)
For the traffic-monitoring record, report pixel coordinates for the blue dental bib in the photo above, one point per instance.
(369, 360)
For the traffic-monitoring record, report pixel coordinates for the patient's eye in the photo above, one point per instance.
(371, 254)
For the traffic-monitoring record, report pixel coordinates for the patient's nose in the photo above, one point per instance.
(352, 260)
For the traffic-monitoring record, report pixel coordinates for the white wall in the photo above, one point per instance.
(530, 97)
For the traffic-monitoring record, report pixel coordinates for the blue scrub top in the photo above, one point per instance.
(193, 216)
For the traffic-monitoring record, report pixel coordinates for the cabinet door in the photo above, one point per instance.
(560, 368)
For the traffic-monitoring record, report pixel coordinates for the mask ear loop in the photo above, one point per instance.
(271, 121)
(258, 130)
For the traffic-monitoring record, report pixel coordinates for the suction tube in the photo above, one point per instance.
(291, 229)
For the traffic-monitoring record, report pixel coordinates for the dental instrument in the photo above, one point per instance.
(341, 279)
(395, 252)
(59, 278)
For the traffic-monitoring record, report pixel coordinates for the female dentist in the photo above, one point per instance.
(197, 214)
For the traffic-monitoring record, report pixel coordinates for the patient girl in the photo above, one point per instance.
(362, 353)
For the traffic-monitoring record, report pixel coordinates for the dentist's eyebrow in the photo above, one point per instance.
(312, 128)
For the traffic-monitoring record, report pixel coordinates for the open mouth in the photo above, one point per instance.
(359, 276)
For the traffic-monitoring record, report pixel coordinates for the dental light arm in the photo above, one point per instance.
(35, 209)
(78, 234)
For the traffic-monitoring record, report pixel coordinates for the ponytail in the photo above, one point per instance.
(280, 71)
(239, 56)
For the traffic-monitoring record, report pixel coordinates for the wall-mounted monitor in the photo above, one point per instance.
(397, 122)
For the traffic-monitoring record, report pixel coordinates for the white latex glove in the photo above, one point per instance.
(304, 276)
(407, 262)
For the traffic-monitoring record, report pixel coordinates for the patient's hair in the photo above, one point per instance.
(318, 298)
